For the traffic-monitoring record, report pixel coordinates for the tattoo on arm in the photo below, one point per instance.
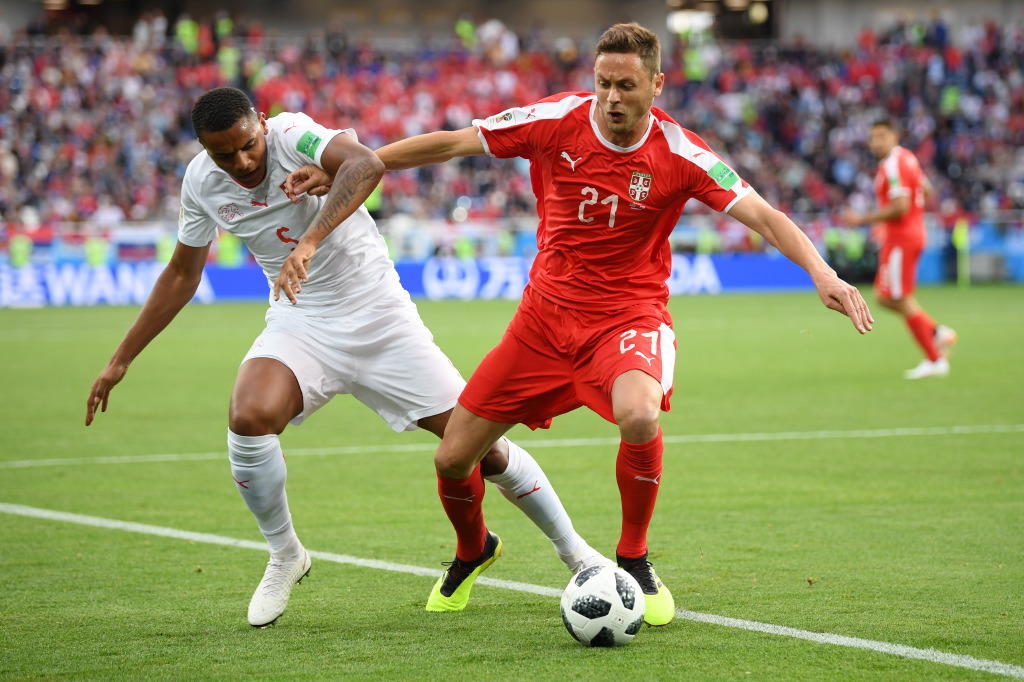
(361, 177)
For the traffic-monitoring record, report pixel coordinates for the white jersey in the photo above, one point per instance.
(349, 264)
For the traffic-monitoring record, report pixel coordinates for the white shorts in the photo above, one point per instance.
(382, 354)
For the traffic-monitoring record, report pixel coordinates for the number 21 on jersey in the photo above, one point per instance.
(592, 200)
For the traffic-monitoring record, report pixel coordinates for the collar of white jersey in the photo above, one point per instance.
(615, 147)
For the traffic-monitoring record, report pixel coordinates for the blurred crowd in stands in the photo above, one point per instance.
(95, 128)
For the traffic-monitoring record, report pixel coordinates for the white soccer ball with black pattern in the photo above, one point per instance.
(603, 606)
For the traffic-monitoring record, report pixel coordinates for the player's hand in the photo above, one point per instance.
(846, 299)
(850, 218)
(293, 272)
(100, 393)
(309, 179)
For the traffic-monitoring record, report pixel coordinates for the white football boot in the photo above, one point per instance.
(583, 558)
(945, 337)
(928, 368)
(271, 596)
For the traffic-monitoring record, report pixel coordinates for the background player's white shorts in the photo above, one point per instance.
(382, 354)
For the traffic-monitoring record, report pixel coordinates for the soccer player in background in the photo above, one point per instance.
(611, 175)
(901, 188)
(356, 330)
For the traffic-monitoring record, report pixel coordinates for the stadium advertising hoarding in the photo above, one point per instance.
(129, 283)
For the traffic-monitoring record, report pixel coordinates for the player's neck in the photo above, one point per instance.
(625, 139)
(888, 153)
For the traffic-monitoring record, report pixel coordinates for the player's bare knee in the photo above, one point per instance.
(886, 302)
(450, 463)
(638, 423)
(251, 420)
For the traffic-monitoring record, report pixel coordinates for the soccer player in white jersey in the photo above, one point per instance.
(611, 174)
(354, 315)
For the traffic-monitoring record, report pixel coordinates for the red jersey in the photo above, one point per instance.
(900, 175)
(606, 212)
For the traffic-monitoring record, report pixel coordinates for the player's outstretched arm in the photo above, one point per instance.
(783, 234)
(423, 150)
(356, 171)
(420, 150)
(174, 288)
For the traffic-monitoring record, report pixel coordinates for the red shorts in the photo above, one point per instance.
(553, 359)
(897, 270)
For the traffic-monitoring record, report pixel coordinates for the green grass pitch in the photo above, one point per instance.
(862, 531)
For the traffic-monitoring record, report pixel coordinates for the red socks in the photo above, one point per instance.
(923, 329)
(462, 500)
(638, 473)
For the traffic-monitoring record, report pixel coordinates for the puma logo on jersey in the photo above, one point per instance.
(572, 164)
(258, 203)
(649, 480)
(290, 127)
(649, 360)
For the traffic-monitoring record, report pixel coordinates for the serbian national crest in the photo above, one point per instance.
(229, 211)
(640, 185)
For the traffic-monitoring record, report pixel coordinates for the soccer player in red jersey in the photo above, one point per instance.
(611, 175)
(901, 187)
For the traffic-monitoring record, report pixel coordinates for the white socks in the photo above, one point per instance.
(257, 465)
(524, 484)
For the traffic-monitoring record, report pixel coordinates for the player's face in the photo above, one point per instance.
(881, 140)
(625, 94)
(241, 150)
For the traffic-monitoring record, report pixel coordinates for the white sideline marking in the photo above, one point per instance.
(550, 443)
(931, 655)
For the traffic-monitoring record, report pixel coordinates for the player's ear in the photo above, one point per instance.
(659, 83)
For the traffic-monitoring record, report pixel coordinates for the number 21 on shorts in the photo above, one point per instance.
(628, 341)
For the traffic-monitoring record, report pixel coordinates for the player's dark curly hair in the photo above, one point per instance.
(633, 38)
(219, 109)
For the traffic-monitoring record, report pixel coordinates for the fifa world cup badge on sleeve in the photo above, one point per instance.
(725, 177)
(308, 144)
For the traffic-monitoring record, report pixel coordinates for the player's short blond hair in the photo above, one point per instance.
(633, 38)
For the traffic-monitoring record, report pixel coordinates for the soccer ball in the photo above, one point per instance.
(603, 606)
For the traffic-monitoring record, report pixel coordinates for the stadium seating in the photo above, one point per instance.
(95, 128)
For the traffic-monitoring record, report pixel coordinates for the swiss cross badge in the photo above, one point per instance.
(229, 211)
(640, 186)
